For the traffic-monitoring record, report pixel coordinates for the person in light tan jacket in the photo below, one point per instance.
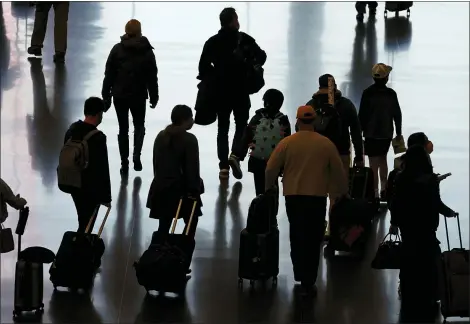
(312, 170)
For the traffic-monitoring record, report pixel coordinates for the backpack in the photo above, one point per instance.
(328, 121)
(268, 133)
(73, 159)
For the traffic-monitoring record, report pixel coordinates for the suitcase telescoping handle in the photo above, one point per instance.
(447, 232)
(23, 219)
(94, 216)
(173, 228)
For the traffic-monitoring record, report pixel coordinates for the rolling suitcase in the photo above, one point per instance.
(361, 184)
(78, 257)
(454, 279)
(397, 6)
(164, 265)
(259, 252)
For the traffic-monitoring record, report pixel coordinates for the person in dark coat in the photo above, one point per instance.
(176, 173)
(96, 183)
(415, 208)
(131, 78)
(378, 111)
(226, 58)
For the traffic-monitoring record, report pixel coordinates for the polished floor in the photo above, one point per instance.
(429, 54)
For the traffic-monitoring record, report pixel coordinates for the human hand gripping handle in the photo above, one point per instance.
(154, 102)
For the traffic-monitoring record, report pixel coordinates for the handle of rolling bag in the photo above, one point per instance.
(447, 231)
(23, 219)
(94, 216)
(173, 228)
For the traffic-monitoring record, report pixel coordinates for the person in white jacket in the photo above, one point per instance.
(8, 197)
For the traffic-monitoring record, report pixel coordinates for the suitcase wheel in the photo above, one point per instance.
(274, 281)
(408, 13)
(252, 284)
(240, 282)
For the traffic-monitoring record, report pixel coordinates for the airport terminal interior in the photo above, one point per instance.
(429, 53)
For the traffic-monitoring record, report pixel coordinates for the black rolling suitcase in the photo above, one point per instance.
(259, 252)
(164, 265)
(361, 188)
(78, 257)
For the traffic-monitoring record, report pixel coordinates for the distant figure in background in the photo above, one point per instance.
(361, 8)
(61, 16)
(131, 78)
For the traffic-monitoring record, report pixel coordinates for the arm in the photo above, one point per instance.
(191, 167)
(355, 129)
(205, 62)
(364, 112)
(103, 168)
(286, 125)
(9, 197)
(443, 208)
(275, 164)
(152, 78)
(337, 186)
(397, 117)
(109, 75)
(259, 55)
(248, 136)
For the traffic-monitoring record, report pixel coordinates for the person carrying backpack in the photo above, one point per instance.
(265, 130)
(83, 170)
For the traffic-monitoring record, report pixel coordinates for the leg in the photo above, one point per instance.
(86, 208)
(372, 7)
(383, 174)
(295, 226)
(138, 117)
(241, 113)
(40, 27)
(164, 225)
(361, 10)
(122, 112)
(259, 182)
(223, 125)
(61, 17)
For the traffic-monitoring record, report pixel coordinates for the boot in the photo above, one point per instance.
(123, 141)
(139, 135)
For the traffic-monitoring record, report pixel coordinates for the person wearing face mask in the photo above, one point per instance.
(95, 184)
(176, 173)
(226, 59)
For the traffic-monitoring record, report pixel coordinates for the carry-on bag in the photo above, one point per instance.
(164, 265)
(7, 244)
(361, 187)
(398, 145)
(388, 255)
(78, 257)
(454, 279)
(262, 213)
(259, 252)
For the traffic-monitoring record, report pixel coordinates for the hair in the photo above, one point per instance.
(179, 115)
(133, 28)
(417, 139)
(417, 161)
(323, 80)
(274, 98)
(93, 106)
(226, 16)
(381, 81)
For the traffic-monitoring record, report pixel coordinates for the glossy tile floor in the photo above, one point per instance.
(429, 54)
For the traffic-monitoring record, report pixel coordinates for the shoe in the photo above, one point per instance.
(360, 17)
(308, 290)
(137, 163)
(35, 50)
(139, 135)
(383, 195)
(224, 174)
(123, 143)
(188, 271)
(234, 163)
(124, 168)
(372, 12)
(59, 58)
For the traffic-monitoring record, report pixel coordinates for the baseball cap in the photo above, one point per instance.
(133, 28)
(323, 80)
(306, 112)
(381, 70)
(417, 139)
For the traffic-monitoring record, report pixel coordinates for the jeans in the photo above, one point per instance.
(241, 113)
(137, 107)
(61, 16)
(86, 206)
(306, 215)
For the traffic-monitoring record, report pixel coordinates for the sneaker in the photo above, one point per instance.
(234, 163)
(59, 58)
(383, 195)
(137, 164)
(35, 50)
(224, 174)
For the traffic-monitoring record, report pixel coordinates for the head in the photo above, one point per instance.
(133, 28)
(422, 140)
(93, 109)
(323, 81)
(417, 161)
(273, 99)
(229, 19)
(305, 117)
(182, 117)
(380, 73)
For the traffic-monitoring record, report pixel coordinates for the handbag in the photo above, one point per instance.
(398, 144)
(254, 74)
(206, 113)
(7, 244)
(388, 254)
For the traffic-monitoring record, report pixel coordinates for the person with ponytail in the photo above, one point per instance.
(176, 173)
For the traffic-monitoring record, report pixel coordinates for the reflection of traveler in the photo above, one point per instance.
(378, 111)
(131, 78)
(361, 8)
(8, 197)
(225, 57)
(416, 207)
(61, 16)
(176, 172)
(96, 184)
(312, 171)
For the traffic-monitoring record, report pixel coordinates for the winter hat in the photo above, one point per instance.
(133, 28)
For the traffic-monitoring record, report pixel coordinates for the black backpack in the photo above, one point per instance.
(327, 121)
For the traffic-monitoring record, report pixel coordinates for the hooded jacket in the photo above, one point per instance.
(350, 126)
(131, 71)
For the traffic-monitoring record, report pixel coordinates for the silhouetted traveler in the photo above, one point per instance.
(312, 171)
(378, 111)
(361, 8)
(226, 57)
(349, 121)
(176, 172)
(130, 79)
(416, 206)
(8, 197)
(95, 181)
(61, 16)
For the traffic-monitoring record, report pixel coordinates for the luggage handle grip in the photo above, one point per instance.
(447, 232)
(104, 221)
(175, 220)
(94, 216)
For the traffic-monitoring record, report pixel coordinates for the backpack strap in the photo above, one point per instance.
(85, 145)
(90, 134)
